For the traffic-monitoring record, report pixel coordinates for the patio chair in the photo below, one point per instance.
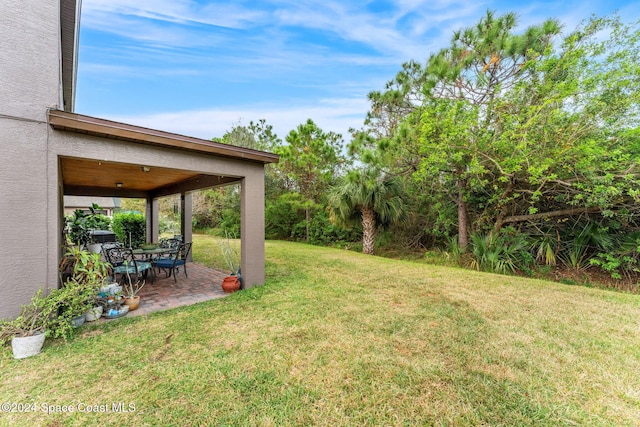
(170, 243)
(179, 259)
(109, 245)
(123, 262)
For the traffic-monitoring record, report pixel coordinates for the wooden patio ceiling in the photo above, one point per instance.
(87, 177)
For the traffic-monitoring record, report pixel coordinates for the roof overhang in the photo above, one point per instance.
(69, 38)
(71, 122)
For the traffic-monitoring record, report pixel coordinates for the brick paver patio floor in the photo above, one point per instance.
(203, 284)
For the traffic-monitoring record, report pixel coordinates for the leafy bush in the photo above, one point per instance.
(230, 222)
(80, 224)
(504, 253)
(285, 219)
(282, 215)
(52, 313)
(130, 228)
(623, 260)
(323, 232)
(582, 242)
(99, 222)
(70, 301)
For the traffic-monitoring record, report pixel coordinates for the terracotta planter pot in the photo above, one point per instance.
(133, 303)
(230, 284)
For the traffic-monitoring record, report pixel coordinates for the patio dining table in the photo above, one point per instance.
(153, 254)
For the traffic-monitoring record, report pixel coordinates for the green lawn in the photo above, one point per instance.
(336, 338)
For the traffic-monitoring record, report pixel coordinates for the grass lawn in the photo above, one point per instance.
(335, 338)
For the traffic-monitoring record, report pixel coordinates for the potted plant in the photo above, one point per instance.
(84, 266)
(81, 224)
(82, 275)
(114, 306)
(73, 300)
(54, 314)
(232, 282)
(130, 292)
(27, 332)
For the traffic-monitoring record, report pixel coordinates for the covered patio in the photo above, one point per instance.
(49, 152)
(98, 157)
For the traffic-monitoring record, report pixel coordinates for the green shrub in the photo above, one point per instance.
(99, 222)
(582, 241)
(230, 222)
(504, 253)
(282, 215)
(323, 232)
(70, 301)
(624, 259)
(130, 228)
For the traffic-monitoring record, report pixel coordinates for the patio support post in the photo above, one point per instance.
(153, 215)
(186, 219)
(252, 228)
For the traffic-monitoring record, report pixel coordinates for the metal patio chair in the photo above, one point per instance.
(172, 264)
(124, 262)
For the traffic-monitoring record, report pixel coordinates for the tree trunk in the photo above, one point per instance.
(463, 217)
(368, 231)
(306, 211)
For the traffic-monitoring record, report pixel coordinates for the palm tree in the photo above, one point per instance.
(368, 196)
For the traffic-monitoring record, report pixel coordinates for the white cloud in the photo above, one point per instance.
(177, 11)
(170, 23)
(336, 115)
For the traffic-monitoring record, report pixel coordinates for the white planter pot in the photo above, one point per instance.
(27, 346)
(95, 248)
(93, 314)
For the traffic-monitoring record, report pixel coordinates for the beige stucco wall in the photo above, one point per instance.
(252, 229)
(30, 75)
(23, 213)
(30, 60)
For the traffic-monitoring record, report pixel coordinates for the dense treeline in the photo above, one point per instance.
(518, 149)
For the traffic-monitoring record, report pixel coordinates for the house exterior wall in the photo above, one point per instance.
(30, 60)
(24, 225)
(30, 76)
(83, 203)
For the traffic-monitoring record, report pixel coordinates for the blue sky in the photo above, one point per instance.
(199, 67)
